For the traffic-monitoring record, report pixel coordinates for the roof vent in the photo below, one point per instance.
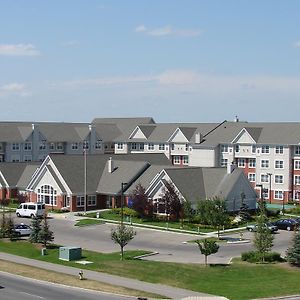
(236, 119)
(32, 126)
(110, 165)
(198, 138)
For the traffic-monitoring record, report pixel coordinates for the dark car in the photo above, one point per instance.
(287, 224)
(273, 228)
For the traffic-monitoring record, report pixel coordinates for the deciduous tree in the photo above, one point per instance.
(172, 200)
(207, 247)
(140, 202)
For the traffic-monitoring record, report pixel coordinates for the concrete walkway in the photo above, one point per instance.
(167, 291)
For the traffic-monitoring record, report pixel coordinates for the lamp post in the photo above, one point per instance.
(123, 186)
(270, 181)
(261, 195)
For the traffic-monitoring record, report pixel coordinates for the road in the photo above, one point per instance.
(171, 247)
(15, 287)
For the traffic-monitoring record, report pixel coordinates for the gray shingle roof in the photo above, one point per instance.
(15, 131)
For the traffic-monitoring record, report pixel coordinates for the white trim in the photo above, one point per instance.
(237, 137)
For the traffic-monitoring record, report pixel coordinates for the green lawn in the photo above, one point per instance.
(87, 222)
(236, 281)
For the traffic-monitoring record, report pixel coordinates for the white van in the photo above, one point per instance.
(30, 209)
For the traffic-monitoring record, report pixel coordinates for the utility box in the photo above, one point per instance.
(69, 253)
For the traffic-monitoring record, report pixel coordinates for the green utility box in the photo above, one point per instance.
(69, 253)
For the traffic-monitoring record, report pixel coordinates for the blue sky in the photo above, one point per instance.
(176, 61)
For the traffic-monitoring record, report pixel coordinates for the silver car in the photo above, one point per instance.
(22, 229)
(270, 226)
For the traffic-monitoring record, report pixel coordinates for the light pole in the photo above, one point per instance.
(85, 177)
(261, 206)
(123, 186)
(270, 181)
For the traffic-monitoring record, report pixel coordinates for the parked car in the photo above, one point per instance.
(30, 209)
(287, 224)
(273, 228)
(22, 229)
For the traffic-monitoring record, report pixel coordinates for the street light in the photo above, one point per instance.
(123, 186)
(270, 180)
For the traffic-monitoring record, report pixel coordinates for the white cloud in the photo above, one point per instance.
(297, 44)
(168, 31)
(18, 50)
(18, 89)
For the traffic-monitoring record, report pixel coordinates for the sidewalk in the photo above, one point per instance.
(168, 291)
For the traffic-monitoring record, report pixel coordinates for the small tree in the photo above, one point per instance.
(207, 247)
(293, 253)
(141, 204)
(187, 212)
(122, 235)
(244, 209)
(36, 228)
(263, 239)
(3, 224)
(45, 235)
(172, 201)
(10, 227)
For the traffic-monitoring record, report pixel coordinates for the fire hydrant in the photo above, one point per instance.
(80, 275)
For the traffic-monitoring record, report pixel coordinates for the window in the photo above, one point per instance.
(264, 178)
(42, 145)
(185, 160)
(59, 146)
(265, 149)
(47, 195)
(15, 158)
(253, 150)
(264, 163)
(74, 146)
(141, 146)
(27, 146)
(133, 146)
(176, 160)
(80, 201)
(252, 177)
(120, 146)
(15, 146)
(297, 180)
(161, 147)
(224, 162)
(278, 195)
(278, 178)
(241, 162)
(51, 146)
(252, 163)
(85, 145)
(27, 158)
(91, 200)
(237, 148)
(150, 146)
(98, 144)
(172, 146)
(186, 147)
(297, 150)
(224, 148)
(278, 164)
(279, 149)
(297, 164)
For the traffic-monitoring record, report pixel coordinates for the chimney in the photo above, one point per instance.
(32, 126)
(236, 119)
(230, 167)
(90, 127)
(198, 138)
(110, 165)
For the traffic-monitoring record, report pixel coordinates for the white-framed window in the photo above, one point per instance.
(224, 148)
(15, 158)
(120, 146)
(42, 145)
(186, 147)
(161, 147)
(278, 195)
(15, 146)
(47, 195)
(133, 146)
(141, 146)
(176, 160)
(27, 158)
(297, 164)
(151, 146)
(85, 145)
(278, 164)
(296, 195)
(27, 146)
(91, 200)
(98, 144)
(297, 150)
(279, 149)
(252, 162)
(278, 178)
(224, 162)
(253, 149)
(265, 149)
(80, 201)
(172, 146)
(185, 160)
(74, 146)
(265, 193)
(264, 177)
(241, 162)
(237, 148)
(51, 146)
(59, 146)
(264, 163)
(297, 179)
(252, 177)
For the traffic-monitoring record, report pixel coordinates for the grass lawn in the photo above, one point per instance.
(236, 281)
(87, 222)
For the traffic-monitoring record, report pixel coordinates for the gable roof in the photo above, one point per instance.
(15, 131)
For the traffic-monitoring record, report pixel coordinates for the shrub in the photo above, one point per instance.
(254, 257)
(273, 212)
(126, 212)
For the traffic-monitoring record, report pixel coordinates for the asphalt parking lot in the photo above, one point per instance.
(170, 247)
